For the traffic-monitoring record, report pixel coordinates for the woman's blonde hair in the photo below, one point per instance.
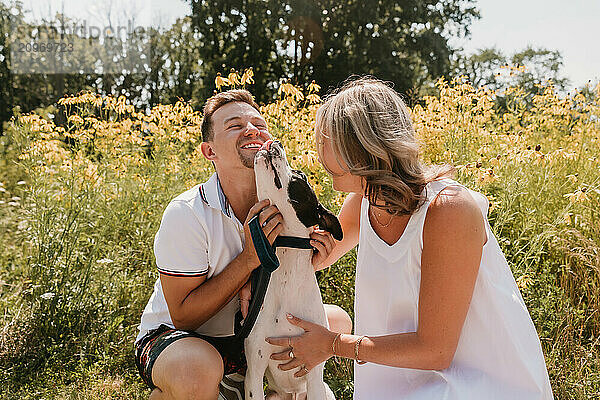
(373, 137)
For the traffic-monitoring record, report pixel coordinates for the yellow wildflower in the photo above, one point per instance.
(313, 87)
(572, 178)
(220, 81)
(233, 78)
(486, 176)
(313, 98)
(524, 281)
(247, 76)
(579, 196)
(75, 119)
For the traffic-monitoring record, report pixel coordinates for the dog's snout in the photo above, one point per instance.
(266, 145)
(272, 148)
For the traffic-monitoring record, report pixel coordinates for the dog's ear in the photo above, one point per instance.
(308, 209)
(330, 223)
(303, 199)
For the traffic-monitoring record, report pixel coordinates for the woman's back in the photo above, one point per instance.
(498, 354)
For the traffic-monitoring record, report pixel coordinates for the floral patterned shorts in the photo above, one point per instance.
(148, 348)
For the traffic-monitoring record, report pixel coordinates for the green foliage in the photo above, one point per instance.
(326, 40)
(526, 69)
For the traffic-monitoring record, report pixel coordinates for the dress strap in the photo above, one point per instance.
(432, 190)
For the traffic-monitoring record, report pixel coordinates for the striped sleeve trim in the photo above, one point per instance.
(202, 194)
(179, 273)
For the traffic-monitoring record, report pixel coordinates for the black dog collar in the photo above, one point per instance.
(292, 242)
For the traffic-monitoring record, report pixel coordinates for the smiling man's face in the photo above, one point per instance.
(238, 133)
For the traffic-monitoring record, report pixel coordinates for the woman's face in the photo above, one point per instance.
(342, 180)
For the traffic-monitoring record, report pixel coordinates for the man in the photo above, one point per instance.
(205, 255)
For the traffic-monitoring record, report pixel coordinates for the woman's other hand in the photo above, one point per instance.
(310, 349)
(323, 243)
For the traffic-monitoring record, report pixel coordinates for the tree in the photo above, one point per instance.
(176, 70)
(241, 34)
(405, 42)
(541, 65)
(5, 90)
(526, 69)
(481, 68)
(29, 91)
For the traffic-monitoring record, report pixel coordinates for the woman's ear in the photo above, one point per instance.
(207, 151)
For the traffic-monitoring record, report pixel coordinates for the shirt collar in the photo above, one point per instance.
(212, 194)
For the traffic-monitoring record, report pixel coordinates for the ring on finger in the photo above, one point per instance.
(304, 369)
(292, 356)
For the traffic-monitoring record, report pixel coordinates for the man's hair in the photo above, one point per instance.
(219, 100)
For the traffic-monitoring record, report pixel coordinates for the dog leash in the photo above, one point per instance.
(261, 276)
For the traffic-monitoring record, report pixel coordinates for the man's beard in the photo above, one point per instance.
(246, 159)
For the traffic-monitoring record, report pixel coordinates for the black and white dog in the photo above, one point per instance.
(293, 287)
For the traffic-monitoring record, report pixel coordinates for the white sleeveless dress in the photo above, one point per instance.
(499, 355)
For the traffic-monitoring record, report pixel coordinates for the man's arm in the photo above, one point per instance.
(194, 300)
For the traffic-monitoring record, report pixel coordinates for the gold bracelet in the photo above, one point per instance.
(335, 340)
(356, 347)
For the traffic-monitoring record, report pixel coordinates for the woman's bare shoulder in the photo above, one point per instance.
(454, 211)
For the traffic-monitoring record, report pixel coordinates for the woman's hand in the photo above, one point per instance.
(323, 243)
(309, 349)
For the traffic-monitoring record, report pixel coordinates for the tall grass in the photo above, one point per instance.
(80, 204)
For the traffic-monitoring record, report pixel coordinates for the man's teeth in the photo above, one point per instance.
(251, 146)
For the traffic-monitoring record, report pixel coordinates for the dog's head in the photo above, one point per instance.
(290, 191)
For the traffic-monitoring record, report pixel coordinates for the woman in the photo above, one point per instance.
(438, 312)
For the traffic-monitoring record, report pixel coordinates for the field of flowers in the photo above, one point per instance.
(80, 204)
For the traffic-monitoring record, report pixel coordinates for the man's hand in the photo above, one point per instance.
(270, 220)
(323, 243)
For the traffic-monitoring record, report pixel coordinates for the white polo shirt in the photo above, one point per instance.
(198, 235)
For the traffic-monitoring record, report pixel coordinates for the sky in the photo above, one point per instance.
(570, 26)
(147, 12)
